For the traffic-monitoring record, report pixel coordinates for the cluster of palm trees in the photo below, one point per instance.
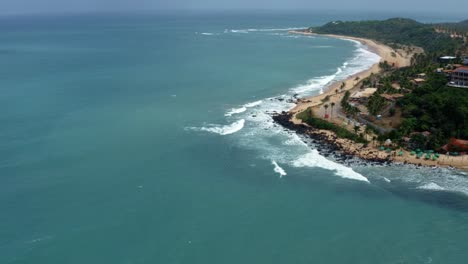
(332, 104)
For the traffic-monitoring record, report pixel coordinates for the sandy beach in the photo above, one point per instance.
(399, 58)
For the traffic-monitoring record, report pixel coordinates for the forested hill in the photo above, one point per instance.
(394, 31)
(459, 28)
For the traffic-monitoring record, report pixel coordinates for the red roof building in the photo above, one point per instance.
(456, 145)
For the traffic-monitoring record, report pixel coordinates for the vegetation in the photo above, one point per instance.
(441, 112)
(308, 117)
(394, 32)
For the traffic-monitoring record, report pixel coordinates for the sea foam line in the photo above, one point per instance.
(243, 108)
(222, 130)
(314, 159)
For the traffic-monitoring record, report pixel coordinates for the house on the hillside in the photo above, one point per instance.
(392, 97)
(418, 81)
(459, 77)
(396, 85)
(421, 76)
(362, 95)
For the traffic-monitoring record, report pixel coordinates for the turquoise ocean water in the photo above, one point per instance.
(148, 139)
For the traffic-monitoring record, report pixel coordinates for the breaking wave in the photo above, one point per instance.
(242, 109)
(245, 31)
(235, 111)
(314, 159)
(222, 130)
(253, 104)
(278, 169)
(431, 186)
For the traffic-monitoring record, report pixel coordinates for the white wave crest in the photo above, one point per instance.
(321, 47)
(243, 31)
(315, 84)
(223, 130)
(314, 159)
(273, 29)
(278, 169)
(235, 111)
(243, 108)
(253, 104)
(208, 34)
(431, 186)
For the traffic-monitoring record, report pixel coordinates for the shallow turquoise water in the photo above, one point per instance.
(122, 142)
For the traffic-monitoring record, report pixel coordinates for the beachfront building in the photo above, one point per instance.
(362, 95)
(418, 81)
(465, 61)
(456, 145)
(459, 78)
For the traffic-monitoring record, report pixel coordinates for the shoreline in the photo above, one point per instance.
(345, 146)
(345, 149)
(383, 51)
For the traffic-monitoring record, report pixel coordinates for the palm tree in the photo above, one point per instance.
(331, 111)
(326, 107)
(356, 129)
(367, 130)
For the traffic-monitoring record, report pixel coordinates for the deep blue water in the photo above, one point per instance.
(148, 139)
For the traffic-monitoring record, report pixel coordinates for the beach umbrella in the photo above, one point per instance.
(431, 151)
(413, 152)
(382, 148)
(434, 157)
(418, 150)
(400, 153)
(388, 150)
(428, 156)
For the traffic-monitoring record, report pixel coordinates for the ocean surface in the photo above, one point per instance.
(148, 138)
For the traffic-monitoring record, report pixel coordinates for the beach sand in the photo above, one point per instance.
(399, 58)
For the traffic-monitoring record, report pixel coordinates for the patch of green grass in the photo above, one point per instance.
(308, 117)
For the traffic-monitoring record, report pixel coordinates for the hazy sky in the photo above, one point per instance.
(53, 6)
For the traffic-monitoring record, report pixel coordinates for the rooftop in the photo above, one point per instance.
(461, 69)
(392, 97)
(368, 92)
(448, 58)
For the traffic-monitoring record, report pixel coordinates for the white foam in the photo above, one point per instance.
(253, 104)
(278, 169)
(235, 111)
(223, 130)
(243, 108)
(208, 34)
(314, 159)
(321, 47)
(431, 186)
(315, 84)
(239, 31)
(387, 180)
(273, 29)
